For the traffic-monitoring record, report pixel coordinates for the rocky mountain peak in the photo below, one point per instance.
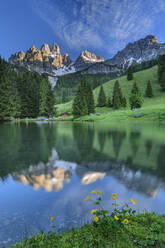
(87, 56)
(45, 49)
(66, 59)
(49, 59)
(44, 60)
(55, 49)
(144, 49)
(33, 49)
(85, 59)
(151, 39)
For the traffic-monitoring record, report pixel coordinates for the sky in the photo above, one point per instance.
(100, 26)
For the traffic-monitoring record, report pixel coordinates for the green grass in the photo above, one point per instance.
(143, 230)
(152, 110)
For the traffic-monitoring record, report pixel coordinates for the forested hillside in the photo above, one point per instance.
(24, 94)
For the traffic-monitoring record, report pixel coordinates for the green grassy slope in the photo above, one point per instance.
(144, 230)
(152, 108)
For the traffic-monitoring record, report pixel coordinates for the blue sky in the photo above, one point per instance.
(100, 26)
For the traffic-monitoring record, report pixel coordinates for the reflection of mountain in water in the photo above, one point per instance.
(92, 152)
(50, 176)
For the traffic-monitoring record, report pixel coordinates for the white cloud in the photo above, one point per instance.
(108, 24)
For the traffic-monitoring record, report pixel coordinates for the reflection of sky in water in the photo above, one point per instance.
(29, 210)
(29, 198)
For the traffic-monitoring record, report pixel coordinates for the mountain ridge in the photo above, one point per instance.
(49, 59)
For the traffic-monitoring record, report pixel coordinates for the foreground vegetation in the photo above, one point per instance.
(121, 228)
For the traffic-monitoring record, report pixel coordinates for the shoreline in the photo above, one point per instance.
(143, 230)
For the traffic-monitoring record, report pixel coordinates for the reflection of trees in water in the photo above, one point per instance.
(148, 145)
(22, 145)
(84, 137)
(117, 139)
(134, 139)
(161, 160)
(101, 139)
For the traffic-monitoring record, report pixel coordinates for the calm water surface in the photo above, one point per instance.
(48, 169)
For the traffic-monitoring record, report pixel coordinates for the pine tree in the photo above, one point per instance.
(129, 73)
(135, 89)
(117, 96)
(101, 98)
(135, 99)
(50, 102)
(80, 107)
(43, 97)
(161, 67)
(161, 72)
(149, 92)
(162, 82)
(117, 103)
(90, 100)
(64, 97)
(124, 102)
(109, 103)
(9, 98)
(84, 101)
(84, 106)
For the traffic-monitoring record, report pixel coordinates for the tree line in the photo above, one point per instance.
(24, 94)
(84, 104)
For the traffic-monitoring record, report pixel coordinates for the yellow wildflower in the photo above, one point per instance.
(116, 218)
(125, 221)
(113, 197)
(93, 192)
(114, 194)
(51, 218)
(86, 199)
(93, 211)
(99, 192)
(133, 201)
(96, 218)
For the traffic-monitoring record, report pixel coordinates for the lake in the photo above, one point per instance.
(47, 169)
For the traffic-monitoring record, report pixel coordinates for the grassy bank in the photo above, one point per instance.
(143, 230)
(152, 110)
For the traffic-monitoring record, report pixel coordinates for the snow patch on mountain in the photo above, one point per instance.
(52, 80)
(64, 70)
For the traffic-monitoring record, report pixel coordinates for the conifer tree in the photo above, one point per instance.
(129, 73)
(43, 97)
(101, 98)
(84, 101)
(135, 89)
(117, 103)
(64, 97)
(149, 92)
(162, 82)
(9, 98)
(135, 99)
(90, 100)
(84, 106)
(161, 67)
(124, 102)
(109, 103)
(117, 96)
(80, 106)
(50, 102)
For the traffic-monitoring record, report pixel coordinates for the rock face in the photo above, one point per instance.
(134, 53)
(49, 59)
(86, 59)
(142, 50)
(44, 60)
